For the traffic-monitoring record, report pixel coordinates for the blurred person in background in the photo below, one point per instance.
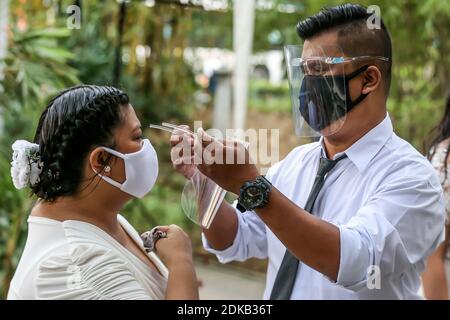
(436, 278)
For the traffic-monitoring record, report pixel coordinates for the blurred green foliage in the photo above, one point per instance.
(36, 67)
(267, 97)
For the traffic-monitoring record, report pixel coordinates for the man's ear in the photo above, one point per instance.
(98, 160)
(372, 79)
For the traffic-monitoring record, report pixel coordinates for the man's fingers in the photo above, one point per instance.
(179, 135)
(183, 161)
(181, 138)
(175, 139)
(184, 147)
(203, 148)
(178, 157)
(204, 137)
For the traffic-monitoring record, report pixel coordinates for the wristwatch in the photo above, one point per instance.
(254, 194)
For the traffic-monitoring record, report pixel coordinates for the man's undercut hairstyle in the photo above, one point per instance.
(353, 34)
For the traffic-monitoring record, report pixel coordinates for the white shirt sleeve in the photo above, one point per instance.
(402, 224)
(250, 240)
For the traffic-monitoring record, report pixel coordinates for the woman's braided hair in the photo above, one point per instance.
(74, 122)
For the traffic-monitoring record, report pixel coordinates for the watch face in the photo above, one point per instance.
(252, 196)
(253, 191)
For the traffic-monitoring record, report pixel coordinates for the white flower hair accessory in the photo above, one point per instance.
(26, 164)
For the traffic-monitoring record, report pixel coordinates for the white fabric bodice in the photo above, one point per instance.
(78, 260)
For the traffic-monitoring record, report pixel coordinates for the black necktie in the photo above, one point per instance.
(284, 282)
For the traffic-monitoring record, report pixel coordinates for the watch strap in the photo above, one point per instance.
(240, 207)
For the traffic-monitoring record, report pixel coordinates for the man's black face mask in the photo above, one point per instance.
(325, 99)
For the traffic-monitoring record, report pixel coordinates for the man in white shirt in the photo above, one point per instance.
(352, 216)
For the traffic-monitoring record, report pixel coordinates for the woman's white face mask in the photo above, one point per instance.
(141, 170)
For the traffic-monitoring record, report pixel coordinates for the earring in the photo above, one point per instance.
(107, 169)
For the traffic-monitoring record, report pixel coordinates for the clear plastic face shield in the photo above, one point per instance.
(201, 198)
(317, 85)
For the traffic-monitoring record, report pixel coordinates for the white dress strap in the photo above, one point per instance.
(137, 238)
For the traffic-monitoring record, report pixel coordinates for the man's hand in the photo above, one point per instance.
(226, 162)
(181, 154)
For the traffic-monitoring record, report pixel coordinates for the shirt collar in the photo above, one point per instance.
(363, 150)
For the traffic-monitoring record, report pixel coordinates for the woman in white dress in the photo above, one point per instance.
(87, 160)
(436, 277)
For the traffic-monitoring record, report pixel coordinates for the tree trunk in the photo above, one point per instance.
(117, 72)
(243, 25)
(4, 17)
